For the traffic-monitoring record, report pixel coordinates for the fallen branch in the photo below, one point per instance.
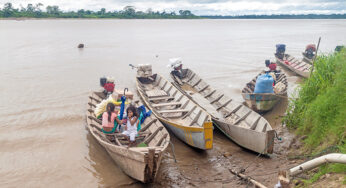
(247, 178)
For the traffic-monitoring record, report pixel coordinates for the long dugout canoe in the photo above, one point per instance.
(299, 67)
(140, 163)
(263, 102)
(182, 116)
(238, 122)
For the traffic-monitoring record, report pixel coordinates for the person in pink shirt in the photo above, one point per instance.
(108, 119)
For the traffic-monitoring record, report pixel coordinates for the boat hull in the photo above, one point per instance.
(198, 137)
(241, 124)
(136, 162)
(260, 142)
(260, 102)
(304, 73)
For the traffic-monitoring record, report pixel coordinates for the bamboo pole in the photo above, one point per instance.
(313, 61)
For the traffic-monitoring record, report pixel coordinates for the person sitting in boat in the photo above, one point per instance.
(131, 124)
(108, 119)
(109, 86)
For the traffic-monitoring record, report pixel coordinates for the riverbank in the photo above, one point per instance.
(317, 114)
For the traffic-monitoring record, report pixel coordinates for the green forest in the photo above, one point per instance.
(129, 12)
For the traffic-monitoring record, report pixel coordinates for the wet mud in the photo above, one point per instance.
(195, 168)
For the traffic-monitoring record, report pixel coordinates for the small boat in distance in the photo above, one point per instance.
(238, 122)
(309, 53)
(299, 67)
(263, 102)
(182, 116)
(141, 162)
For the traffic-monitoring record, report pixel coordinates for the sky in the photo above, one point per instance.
(201, 7)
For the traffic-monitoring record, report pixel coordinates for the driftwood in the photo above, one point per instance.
(247, 178)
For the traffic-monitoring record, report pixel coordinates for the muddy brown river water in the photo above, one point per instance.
(45, 81)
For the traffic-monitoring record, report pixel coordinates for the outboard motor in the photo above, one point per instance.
(177, 66)
(310, 51)
(339, 48)
(267, 62)
(280, 50)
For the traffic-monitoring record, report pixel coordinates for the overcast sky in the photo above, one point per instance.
(201, 7)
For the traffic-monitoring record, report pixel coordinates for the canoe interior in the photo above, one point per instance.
(231, 116)
(262, 102)
(298, 66)
(140, 163)
(185, 118)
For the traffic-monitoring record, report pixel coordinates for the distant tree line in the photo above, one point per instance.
(129, 12)
(282, 16)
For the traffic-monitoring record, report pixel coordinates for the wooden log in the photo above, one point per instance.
(247, 178)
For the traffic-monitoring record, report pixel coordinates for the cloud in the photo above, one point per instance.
(201, 7)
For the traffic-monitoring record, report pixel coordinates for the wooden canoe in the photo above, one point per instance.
(262, 102)
(184, 118)
(140, 163)
(241, 124)
(306, 59)
(299, 67)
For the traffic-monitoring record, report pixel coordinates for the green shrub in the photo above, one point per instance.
(319, 110)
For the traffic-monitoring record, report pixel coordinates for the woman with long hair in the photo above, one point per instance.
(108, 119)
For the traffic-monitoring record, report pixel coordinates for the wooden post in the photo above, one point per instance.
(151, 156)
(313, 61)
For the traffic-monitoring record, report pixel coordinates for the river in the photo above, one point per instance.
(45, 81)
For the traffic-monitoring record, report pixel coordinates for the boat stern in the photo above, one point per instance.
(208, 134)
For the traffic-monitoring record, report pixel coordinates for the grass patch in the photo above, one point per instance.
(319, 110)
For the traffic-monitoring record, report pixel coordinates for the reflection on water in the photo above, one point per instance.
(45, 81)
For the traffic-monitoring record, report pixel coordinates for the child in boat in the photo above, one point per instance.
(108, 119)
(131, 125)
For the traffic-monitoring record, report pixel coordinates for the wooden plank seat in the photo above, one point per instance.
(161, 98)
(173, 111)
(156, 93)
(167, 104)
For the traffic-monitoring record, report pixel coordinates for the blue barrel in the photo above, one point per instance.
(264, 84)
